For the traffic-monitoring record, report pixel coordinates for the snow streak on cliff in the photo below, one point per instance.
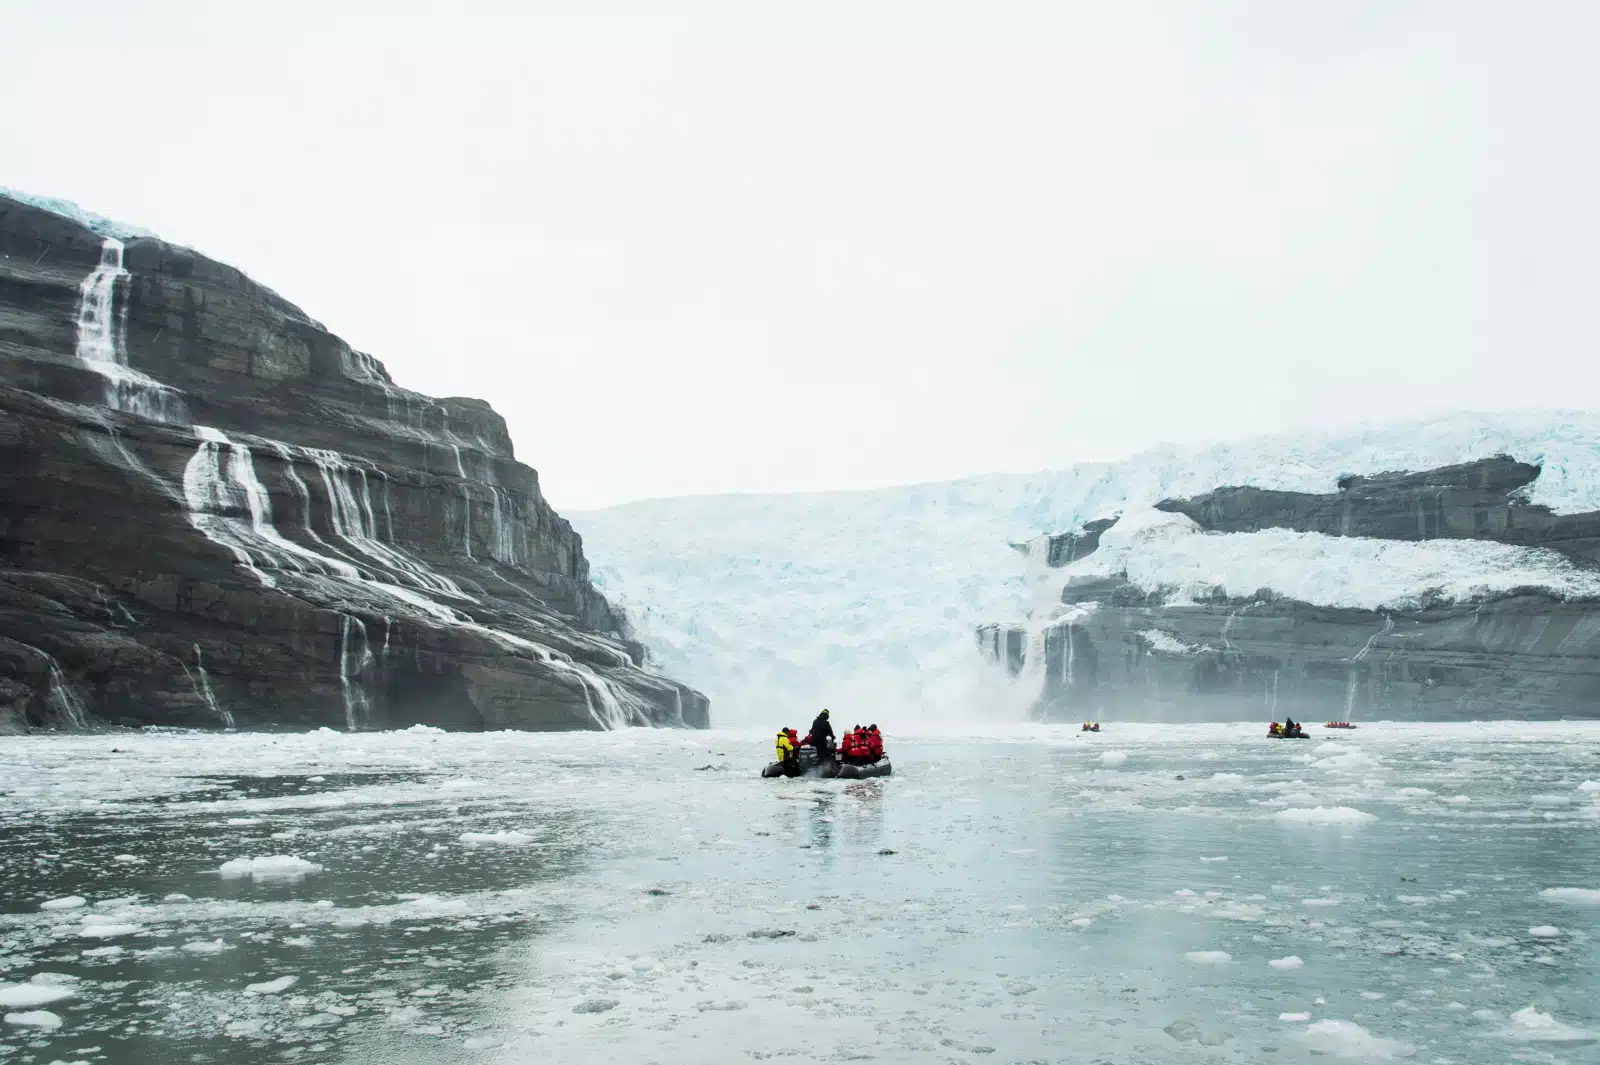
(867, 601)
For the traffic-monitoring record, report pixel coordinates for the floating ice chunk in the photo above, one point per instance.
(1544, 931)
(106, 928)
(1218, 858)
(34, 1019)
(1458, 800)
(1184, 893)
(128, 859)
(1290, 962)
(1373, 996)
(1581, 896)
(1319, 902)
(1082, 922)
(1414, 793)
(33, 994)
(595, 1005)
(102, 952)
(1347, 1039)
(205, 946)
(271, 987)
(271, 867)
(1325, 815)
(1589, 785)
(70, 902)
(1114, 758)
(1209, 957)
(1295, 1017)
(176, 897)
(503, 839)
(1532, 1026)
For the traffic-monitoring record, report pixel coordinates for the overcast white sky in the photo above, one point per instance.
(731, 253)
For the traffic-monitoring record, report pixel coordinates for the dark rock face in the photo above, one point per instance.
(217, 511)
(1128, 652)
(1063, 549)
(1524, 656)
(1472, 501)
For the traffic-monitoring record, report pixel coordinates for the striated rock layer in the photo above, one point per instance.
(217, 513)
(1113, 647)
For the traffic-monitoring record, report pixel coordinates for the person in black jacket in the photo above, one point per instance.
(821, 737)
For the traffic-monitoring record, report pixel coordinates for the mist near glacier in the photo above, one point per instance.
(793, 252)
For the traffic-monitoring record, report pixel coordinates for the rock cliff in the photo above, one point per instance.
(218, 513)
(1118, 645)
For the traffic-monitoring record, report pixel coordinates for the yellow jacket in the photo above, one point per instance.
(785, 746)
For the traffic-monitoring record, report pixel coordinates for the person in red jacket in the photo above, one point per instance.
(874, 743)
(850, 746)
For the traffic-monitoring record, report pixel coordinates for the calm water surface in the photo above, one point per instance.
(1401, 892)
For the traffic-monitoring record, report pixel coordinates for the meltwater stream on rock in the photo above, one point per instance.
(1429, 893)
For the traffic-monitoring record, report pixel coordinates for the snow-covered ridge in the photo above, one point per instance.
(100, 224)
(775, 604)
(1168, 552)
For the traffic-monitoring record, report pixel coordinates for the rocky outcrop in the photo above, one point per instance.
(1063, 549)
(219, 513)
(1471, 501)
(1121, 650)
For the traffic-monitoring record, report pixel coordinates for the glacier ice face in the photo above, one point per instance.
(867, 601)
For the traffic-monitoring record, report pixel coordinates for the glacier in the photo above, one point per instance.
(867, 601)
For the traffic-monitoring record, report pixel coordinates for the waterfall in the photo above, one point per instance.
(216, 493)
(357, 707)
(204, 689)
(102, 344)
(65, 702)
(388, 515)
(1388, 625)
(220, 486)
(504, 545)
(353, 522)
(1071, 646)
(1350, 694)
(1227, 627)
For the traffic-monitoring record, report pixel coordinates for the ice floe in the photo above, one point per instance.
(1347, 1039)
(1325, 815)
(1580, 896)
(34, 994)
(508, 838)
(271, 867)
(272, 987)
(1529, 1025)
(70, 902)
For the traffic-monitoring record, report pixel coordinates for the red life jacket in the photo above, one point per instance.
(874, 745)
